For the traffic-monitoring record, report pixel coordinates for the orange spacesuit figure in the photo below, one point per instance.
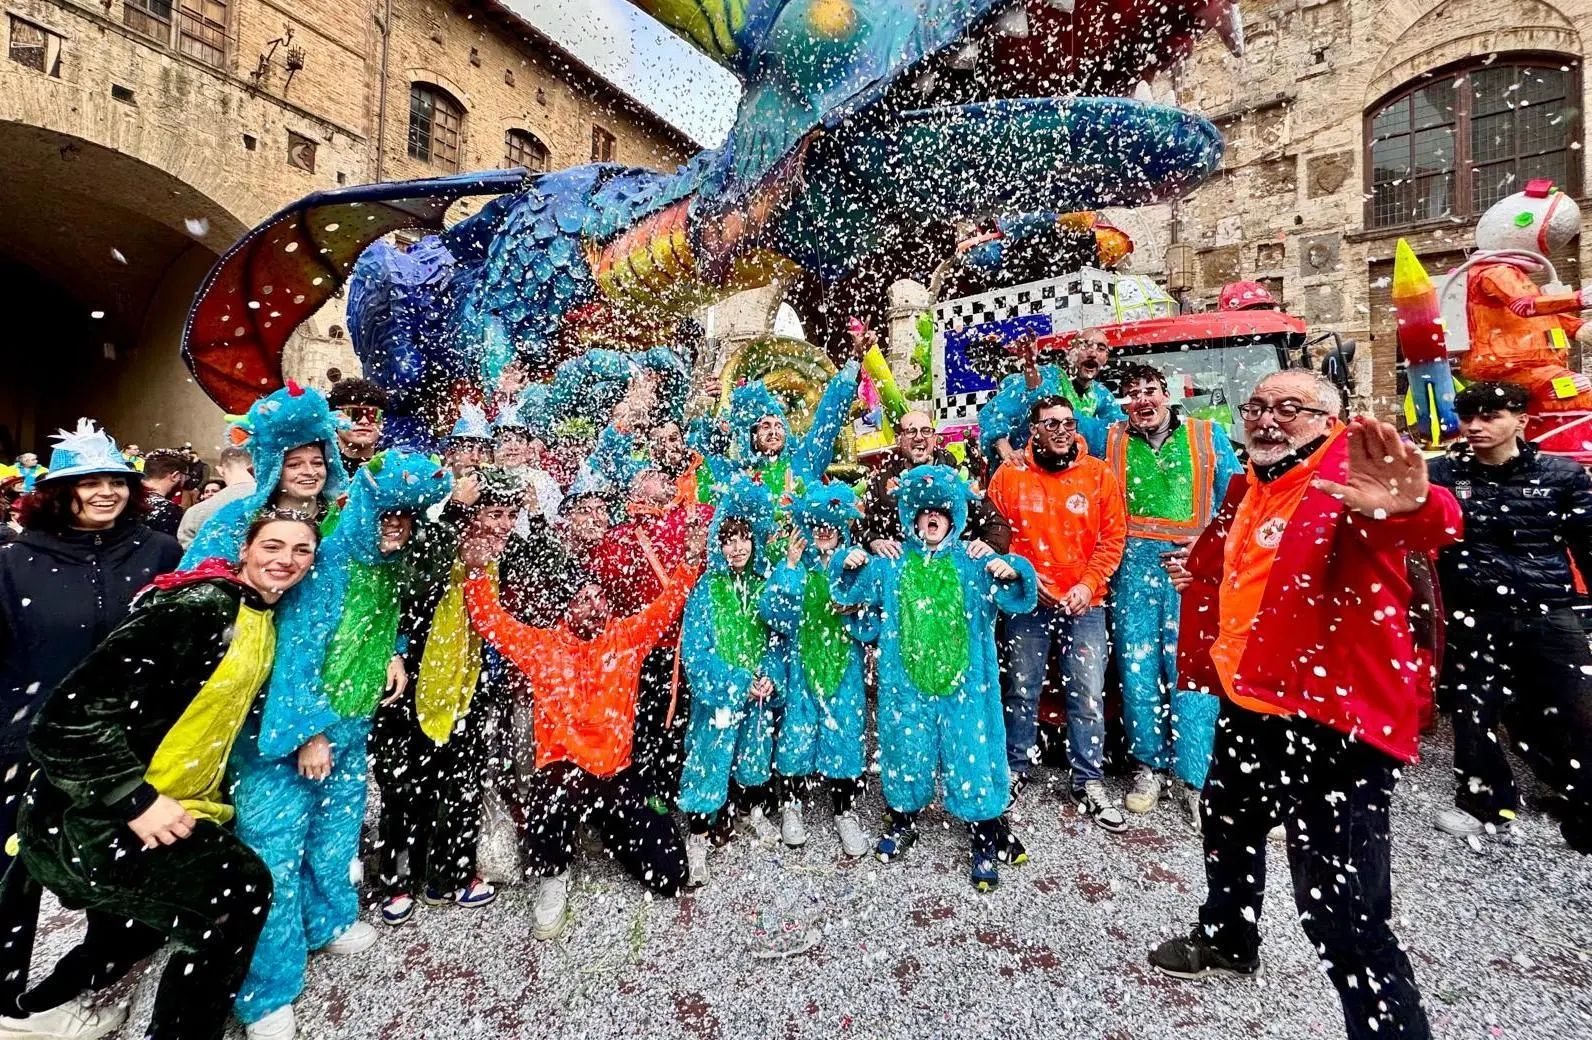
(1519, 333)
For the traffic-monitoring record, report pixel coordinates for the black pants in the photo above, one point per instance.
(562, 796)
(14, 776)
(207, 893)
(1528, 676)
(1335, 805)
(659, 752)
(430, 800)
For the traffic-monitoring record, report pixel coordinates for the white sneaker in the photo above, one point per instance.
(1094, 803)
(1278, 835)
(74, 1020)
(1191, 802)
(696, 861)
(792, 829)
(1459, 823)
(278, 1025)
(356, 938)
(761, 826)
(1145, 794)
(550, 914)
(853, 842)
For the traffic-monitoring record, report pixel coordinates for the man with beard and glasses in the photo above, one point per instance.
(1003, 421)
(1296, 609)
(1068, 519)
(918, 444)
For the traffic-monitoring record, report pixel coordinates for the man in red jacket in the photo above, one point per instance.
(1296, 610)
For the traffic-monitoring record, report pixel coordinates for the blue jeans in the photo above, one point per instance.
(1082, 638)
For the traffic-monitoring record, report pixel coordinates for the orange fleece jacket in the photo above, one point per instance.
(583, 706)
(1072, 525)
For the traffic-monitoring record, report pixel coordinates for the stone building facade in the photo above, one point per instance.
(1352, 123)
(140, 138)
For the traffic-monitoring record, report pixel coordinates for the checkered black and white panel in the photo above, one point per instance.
(1074, 301)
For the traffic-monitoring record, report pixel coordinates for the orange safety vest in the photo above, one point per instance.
(1202, 457)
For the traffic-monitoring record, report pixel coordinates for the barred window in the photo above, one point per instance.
(521, 148)
(602, 145)
(434, 122)
(1454, 142)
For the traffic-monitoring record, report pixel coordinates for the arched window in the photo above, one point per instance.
(434, 121)
(521, 148)
(1453, 142)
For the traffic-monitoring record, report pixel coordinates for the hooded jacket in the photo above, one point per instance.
(60, 594)
(275, 424)
(1524, 522)
(882, 520)
(1332, 637)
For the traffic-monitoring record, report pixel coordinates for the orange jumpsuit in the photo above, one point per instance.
(1504, 346)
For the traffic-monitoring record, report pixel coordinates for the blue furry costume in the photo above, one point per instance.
(1006, 413)
(307, 831)
(275, 424)
(1167, 727)
(803, 460)
(957, 737)
(730, 734)
(823, 706)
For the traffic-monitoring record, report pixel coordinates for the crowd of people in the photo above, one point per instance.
(680, 630)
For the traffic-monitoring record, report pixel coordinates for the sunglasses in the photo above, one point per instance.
(1052, 425)
(362, 412)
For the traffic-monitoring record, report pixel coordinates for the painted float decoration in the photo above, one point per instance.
(1497, 323)
(861, 122)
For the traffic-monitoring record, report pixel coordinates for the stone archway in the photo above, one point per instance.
(1413, 36)
(100, 261)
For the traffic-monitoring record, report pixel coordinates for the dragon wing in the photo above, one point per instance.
(280, 273)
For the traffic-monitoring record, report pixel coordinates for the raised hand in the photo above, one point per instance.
(1000, 570)
(854, 559)
(1385, 477)
(794, 549)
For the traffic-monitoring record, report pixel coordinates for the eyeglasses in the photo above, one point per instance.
(362, 412)
(917, 431)
(1140, 393)
(1286, 411)
(1052, 425)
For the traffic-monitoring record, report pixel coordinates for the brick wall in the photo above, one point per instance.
(1289, 203)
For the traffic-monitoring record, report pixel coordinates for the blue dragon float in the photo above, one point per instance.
(862, 123)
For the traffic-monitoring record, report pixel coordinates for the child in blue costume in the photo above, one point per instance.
(940, 716)
(822, 725)
(734, 674)
(277, 424)
(299, 768)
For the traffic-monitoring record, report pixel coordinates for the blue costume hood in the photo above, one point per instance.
(832, 505)
(748, 500)
(750, 402)
(391, 481)
(932, 487)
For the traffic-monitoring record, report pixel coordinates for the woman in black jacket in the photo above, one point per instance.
(65, 582)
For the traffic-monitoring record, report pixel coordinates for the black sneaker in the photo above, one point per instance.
(895, 841)
(1019, 784)
(1192, 957)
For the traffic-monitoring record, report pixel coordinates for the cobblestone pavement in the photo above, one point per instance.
(1500, 934)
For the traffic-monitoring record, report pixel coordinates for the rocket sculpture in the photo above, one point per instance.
(1424, 345)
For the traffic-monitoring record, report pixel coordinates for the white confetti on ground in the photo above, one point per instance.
(1501, 941)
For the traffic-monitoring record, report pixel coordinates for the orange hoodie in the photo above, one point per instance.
(1071, 525)
(583, 706)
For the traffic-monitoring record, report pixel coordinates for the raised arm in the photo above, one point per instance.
(817, 447)
(783, 597)
(506, 634)
(647, 627)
